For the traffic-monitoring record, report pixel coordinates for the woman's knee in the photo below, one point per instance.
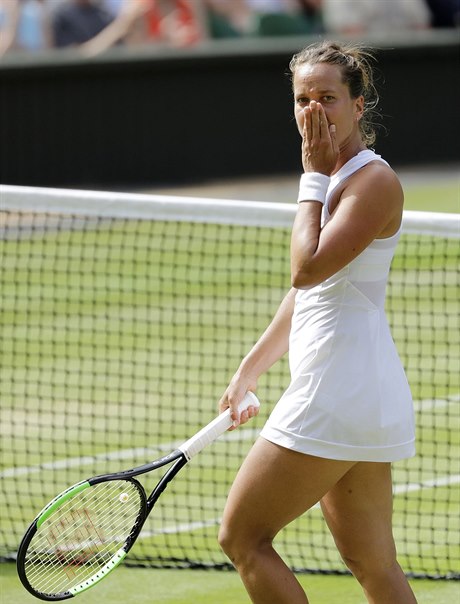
(370, 566)
(240, 544)
(226, 539)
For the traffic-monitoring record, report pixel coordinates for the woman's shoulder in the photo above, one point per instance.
(376, 182)
(378, 173)
(377, 188)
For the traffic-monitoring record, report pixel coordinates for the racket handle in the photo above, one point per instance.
(216, 428)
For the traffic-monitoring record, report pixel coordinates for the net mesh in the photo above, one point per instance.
(124, 317)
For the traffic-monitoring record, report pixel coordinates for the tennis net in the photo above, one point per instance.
(123, 318)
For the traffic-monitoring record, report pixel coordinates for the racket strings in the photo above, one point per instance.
(81, 540)
(82, 536)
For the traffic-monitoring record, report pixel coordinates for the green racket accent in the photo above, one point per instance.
(59, 500)
(103, 572)
(84, 533)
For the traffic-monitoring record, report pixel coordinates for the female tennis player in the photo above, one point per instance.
(347, 412)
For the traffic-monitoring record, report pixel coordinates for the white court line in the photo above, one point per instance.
(151, 451)
(444, 481)
(186, 527)
(436, 403)
(398, 490)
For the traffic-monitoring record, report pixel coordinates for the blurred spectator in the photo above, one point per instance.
(233, 18)
(24, 25)
(287, 17)
(361, 16)
(77, 21)
(173, 22)
(113, 6)
(9, 18)
(176, 22)
(444, 13)
(229, 18)
(313, 12)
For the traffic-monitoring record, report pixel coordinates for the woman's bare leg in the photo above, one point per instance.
(358, 510)
(273, 487)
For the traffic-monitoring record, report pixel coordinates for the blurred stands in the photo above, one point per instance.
(357, 18)
(235, 18)
(25, 25)
(153, 92)
(93, 26)
(103, 23)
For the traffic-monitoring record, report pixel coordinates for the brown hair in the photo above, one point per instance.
(355, 63)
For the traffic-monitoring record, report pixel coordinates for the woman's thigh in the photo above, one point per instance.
(358, 510)
(274, 486)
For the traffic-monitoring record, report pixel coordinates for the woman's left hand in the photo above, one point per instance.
(320, 150)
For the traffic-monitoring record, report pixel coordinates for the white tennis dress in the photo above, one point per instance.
(348, 398)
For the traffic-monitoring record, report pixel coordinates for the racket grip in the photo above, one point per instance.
(216, 428)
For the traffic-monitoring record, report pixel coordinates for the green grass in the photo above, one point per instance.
(433, 198)
(95, 327)
(213, 587)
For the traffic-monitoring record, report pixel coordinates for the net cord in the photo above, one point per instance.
(190, 209)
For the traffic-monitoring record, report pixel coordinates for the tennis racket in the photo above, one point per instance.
(87, 530)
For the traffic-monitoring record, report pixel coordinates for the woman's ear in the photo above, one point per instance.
(359, 108)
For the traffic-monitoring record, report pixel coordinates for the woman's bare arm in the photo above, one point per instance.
(270, 347)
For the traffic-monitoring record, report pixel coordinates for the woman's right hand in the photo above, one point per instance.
(320, 150)
(234, 394)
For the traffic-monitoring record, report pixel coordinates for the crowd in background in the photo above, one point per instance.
(93, 26)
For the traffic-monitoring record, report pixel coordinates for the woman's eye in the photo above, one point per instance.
(328, 98)
(303, 101)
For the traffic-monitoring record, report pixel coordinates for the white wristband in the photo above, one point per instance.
(313, 187)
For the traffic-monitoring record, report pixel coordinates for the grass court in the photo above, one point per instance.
(105, 366)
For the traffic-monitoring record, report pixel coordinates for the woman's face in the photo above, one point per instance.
(323, 83)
